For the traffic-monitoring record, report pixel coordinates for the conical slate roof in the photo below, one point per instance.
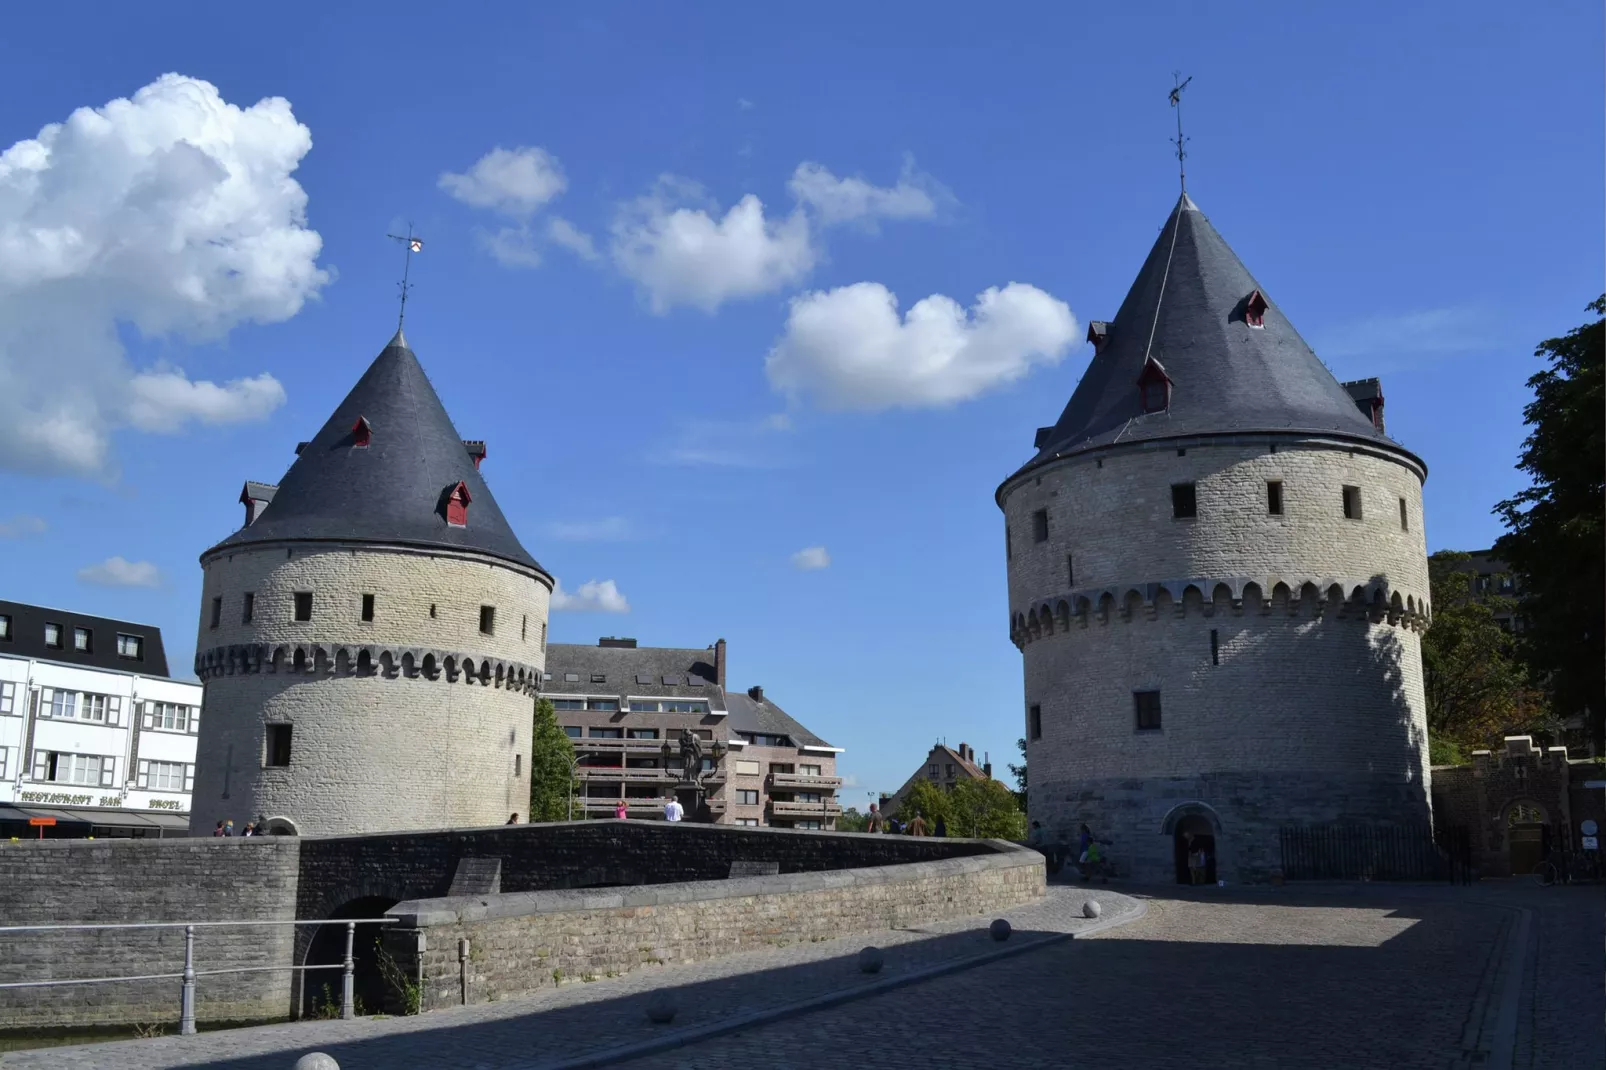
(394, 489)
(1226, 376)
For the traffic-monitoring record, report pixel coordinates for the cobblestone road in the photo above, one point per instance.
(1386, 977)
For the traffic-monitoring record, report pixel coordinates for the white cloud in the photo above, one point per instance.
(515, 182)
(850, 350)
(118, 572)
(1397, 338)
(608, 529)
(21, 526)
(811, 558)
(841, 200)
(724, 443)
(511, 246)
(684, 255)
(164, 400)
(174, 212)
(572, 238)
(594, 596)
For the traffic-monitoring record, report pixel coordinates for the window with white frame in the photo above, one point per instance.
(171, 717)
(808, 770)
(750, 822)
(76, 705)
(130, 646)
(58, 767)
(166, 776)
(5, 762)
(747, 798)
(8, 697)
(814, 825)
(53, 703)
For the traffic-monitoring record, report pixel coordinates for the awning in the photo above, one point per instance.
(106, 817)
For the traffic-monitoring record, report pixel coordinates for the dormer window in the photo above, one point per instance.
(476, 451)
(1255, 310)
(1154, 387)
(457, 499)
(361, 433)
(1098, 332)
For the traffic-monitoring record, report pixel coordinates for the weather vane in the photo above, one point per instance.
(1176, 102)
(414, 244)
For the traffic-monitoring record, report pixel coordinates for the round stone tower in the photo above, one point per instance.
(372, 639)
(1217, 580)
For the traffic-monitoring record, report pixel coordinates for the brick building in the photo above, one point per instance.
(623, 704)
(944, 766)
(1217, 580)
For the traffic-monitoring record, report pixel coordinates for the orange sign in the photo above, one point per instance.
(41, 821)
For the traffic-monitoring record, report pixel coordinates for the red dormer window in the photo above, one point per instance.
(361, 433)
(1255, 310)
(457, 499)
(1154, 387)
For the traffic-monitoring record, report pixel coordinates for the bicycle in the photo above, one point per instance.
(1563, 867)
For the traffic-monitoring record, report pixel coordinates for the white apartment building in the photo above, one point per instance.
(95, 738)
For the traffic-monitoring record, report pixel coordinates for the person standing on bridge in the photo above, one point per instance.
(917, 827)
(673, 811)
(621, 810)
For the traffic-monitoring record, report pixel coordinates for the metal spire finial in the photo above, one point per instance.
(413, 244)
(1180, 141)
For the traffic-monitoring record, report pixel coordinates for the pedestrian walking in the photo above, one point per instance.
(941, 828)
(250, 829)
(673, 811)
(917, 827)
(219, 830)
(512, 819)
(1196, 862)
(621, 810)
(228, 828)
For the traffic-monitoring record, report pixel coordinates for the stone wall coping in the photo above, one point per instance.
(453, 910)
(166, 843)
(669, 828)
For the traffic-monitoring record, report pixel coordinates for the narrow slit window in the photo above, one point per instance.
(1184, 501)
(217, 612)
(1215, 647)
(1040, 526)
(1405, 517)
(1352, 503)
(1035, 722)
(248, 608)
(1274, 497)
(1070, 570)
(1009, 545)
(303, 605)
(1146, 706)
(368, 608)
(487, 620)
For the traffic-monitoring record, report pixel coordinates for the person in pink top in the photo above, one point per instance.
(621, 811)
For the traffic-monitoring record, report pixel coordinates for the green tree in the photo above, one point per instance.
(852, 821)
(927, 800)
(1477, 687)
(1019, 773)
(1554, 528)
(984, 807)
(551, 766)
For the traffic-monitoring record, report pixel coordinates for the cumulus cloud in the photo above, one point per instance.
(118, 572)
(594, 596)
(515, 182)
(675, 244)
(21, 526)
(608, 529)
(811, 558)
(680, 253)
(849, 348)
(511, 246)
(572, 238)
(842, 200)
(173, 212)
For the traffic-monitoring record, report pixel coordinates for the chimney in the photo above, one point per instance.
(719, 663)
(964, 751)
(756, 693)
(611, 643)
(987, 764)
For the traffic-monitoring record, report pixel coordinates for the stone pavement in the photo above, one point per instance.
(1340, 976)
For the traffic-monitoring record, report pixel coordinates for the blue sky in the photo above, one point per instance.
(1419, 193)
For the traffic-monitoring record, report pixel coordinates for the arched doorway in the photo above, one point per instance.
(1527, 837)
(321, 989)
(1194, 833)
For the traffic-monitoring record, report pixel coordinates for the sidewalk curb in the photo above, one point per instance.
(684, 1037)
(1503, 1046)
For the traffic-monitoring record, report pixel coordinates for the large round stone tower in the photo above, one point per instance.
(1217, 579)
(372, 639)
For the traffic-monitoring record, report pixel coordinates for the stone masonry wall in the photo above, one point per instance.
(379, 752)
(53, 882)
(522, 943)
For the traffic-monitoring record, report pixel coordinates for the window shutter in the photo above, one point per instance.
(114, 710)
(108, 766)
(46, 696)
(39, 761)
(189, 778)
(145, 713)
(144, 774)
(195, 720)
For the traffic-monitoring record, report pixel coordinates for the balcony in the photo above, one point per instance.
(829, 808)
(638, 807)
(634, 776)
(804, 782)
(617, 746)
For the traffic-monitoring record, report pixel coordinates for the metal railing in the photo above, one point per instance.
(798, 808)
(805, 781)
(1376, 853)
(190, 973)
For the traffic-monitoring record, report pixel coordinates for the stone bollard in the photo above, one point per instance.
(660, 1009)
(1091, 909)
(999, 930)
(871, 960)
(316, 1060)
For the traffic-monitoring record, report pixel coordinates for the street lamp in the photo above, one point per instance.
(573, 762)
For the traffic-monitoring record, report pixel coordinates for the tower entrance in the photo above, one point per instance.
(1194, 835)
